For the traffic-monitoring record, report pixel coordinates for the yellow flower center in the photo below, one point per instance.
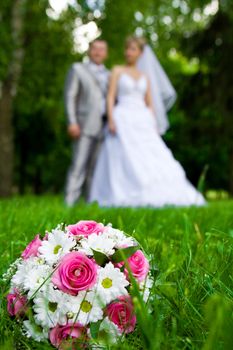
(40, 261)
(70, 314)
(86, 306)
(40, 280)
(107, 282)
(56, 249)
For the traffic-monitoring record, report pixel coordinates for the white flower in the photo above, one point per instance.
(24, 268)
(145, 288)
(101, 243)
(37, 278)
(34, 331)
(57, 245)
(50, 307)
(112, 331)
(111, 283)
(11, 270)
(120, 239)
(85, 307)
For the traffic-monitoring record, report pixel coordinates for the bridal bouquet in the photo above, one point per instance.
(74, 286)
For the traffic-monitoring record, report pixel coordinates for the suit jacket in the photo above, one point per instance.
(83, 99)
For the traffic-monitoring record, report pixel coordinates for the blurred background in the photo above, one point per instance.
(193, 40)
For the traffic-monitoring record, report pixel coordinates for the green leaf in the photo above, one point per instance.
(123, 254)
(100, 258)
(94, 329)
(154, 270)
(122, 268)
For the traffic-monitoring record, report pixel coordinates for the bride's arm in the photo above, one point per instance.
(149, 100)
(111, 98)
(148, 97)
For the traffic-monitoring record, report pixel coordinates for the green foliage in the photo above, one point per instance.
(218, 314)
(94, 329)
(40, 126)
(100, 258)
(123, 254)
(117, 24)
(192, 304)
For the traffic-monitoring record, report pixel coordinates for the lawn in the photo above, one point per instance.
(193, 248)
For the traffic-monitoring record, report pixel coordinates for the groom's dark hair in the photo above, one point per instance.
(96, 40)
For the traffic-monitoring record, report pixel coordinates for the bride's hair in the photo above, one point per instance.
(139, 41)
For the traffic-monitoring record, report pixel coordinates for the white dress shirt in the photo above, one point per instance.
(101, 74)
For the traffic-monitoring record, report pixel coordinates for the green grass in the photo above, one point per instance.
(192, 247)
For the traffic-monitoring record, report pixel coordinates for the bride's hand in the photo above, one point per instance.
(112, 127)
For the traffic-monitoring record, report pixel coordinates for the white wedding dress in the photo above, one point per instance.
(135, 167)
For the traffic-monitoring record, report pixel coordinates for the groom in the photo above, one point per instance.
(85, 103)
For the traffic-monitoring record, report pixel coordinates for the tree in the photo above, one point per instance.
(12, 13)
(40, 122)
(37, 52)
(212, 91)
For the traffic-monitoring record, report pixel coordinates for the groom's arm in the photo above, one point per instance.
(71, 92)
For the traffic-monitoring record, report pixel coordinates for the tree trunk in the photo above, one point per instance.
(6, 142)
(231, 173)
(7, 93)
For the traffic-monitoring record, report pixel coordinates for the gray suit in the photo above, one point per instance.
(85, 93)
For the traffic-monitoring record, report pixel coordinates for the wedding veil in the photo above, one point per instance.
(163, 93)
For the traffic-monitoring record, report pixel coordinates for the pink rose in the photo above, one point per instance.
(121, 312)
(139, 266)
(119, 264)
(32, 248)
(85, 228)
(16, 304)
(75, 272)
(60, 335)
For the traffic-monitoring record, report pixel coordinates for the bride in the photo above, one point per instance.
(135, 167)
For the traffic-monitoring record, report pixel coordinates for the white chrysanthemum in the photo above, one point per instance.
(145, 288)
(120, 239)
(34, 331)
(85, 307)
(24, 268)
(111, 283)
(7, 276)
(37, 278)
(101, 243)
(57, 245)
(50, 307)
(112, 331)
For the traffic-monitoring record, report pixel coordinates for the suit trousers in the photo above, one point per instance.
(85, 151)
